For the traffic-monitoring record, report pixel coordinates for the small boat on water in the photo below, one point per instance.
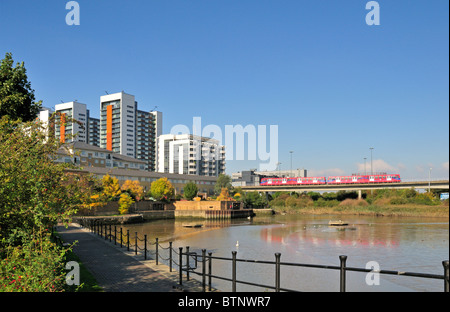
(193, 225)
(337, 223)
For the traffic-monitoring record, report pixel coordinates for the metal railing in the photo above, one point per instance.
(125, 240)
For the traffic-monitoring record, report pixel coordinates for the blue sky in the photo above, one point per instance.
(334, 85)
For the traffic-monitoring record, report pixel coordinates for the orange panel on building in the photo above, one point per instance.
(109, 127)
(62, 127)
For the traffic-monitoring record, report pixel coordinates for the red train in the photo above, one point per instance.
(353, 179)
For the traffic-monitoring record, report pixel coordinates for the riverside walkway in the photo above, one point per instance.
(117, 270)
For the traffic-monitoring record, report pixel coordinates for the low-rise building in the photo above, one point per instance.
(86, 155)
(100, 162)
(253, 177)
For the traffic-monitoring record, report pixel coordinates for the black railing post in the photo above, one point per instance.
(121, 237)
(115, 235)
(110, 233)
(204, 270)
(170, 256)
(145, 246)
(180, 260)
(135, 243)
(209, 270)
(128, 240)
(106, 232)
(343, 260)
(277, 271)
(157, 251)
(233, 272)
(101, 229)
(446, 275)
(187, 263)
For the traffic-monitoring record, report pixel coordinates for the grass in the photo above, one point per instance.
(88, 281)
(408, 210)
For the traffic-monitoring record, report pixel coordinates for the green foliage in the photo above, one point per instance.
(36, 266)
(254, 200)
(35, 193)
(162, 189)
(402, 197)
(223, 181)
(16, 96)
(190, 190)
(125, 203)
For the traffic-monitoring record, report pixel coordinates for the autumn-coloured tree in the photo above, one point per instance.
(111, 187)
(162, 189)
(224, 195)
(134, 188)
(125, 203)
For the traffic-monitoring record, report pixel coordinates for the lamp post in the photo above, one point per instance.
(365, 171)
(371, 161)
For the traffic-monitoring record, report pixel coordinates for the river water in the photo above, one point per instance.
(399, 244)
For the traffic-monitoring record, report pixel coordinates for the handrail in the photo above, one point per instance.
(100, 229)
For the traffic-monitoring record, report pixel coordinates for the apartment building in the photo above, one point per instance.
(148, 128)
(66, 130)
(93, 130)
(190, 154)
(118, 123)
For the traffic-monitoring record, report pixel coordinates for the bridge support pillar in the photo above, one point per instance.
(359, 194)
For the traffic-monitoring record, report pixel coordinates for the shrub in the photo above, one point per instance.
(36, 266)
(354, 203)
(398, 201)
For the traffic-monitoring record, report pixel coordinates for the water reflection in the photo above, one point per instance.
(401, 244)
(317, 235)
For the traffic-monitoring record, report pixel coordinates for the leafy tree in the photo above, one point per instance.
(16, 96)
(190, 190)
(125, 203)
(134, 188)
(35, 193)
(254, 200)
(162, 189)
(223, 181)
(111, 188)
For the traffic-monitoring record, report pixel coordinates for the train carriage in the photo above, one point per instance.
(361, 179)
(293, 181)
(353, 179)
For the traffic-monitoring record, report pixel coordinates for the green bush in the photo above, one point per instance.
(33, 267)
(398, 201)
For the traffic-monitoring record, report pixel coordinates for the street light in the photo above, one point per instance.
(371, 161)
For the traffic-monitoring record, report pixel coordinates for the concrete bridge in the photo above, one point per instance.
(442, 184)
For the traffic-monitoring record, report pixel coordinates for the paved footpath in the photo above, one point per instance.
(117, 270)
